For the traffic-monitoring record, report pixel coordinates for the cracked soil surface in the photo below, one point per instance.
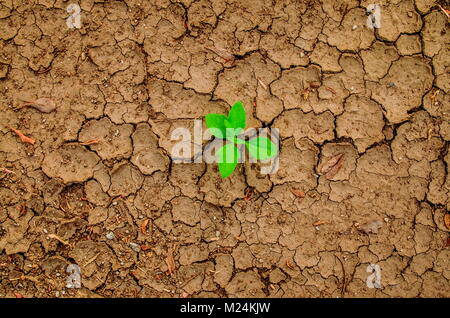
(139, 225)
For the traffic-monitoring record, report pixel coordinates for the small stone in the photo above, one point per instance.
(390, 84)
(135, 247)
(57, 293)
(354, 27)
(110, 235)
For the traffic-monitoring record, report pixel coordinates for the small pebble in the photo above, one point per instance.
(57, 294)
(110, 235)
(354, 27)
(390, 84)
(135, 247)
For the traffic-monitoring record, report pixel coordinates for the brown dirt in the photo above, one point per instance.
(136, 70)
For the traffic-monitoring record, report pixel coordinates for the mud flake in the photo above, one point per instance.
(125, 179)
(146, 154)
(408, 44)
(377, 60)
(222, 191)
(342, 35)
(317, 128)
(300, 170)
(282, 52)
(71, 163)
(175, 102)
(291, 85)
(193, 253)
(246, 284)
(327, 57)
(186, 210)
(434, 33)
(412, 78)
(114, 140)
(223, 270)
(96, 260)
(362, 121)
(97, 215)
(399, 18)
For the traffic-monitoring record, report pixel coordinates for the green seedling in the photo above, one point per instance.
(229, 128)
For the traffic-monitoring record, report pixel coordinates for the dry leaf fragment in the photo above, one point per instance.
(447, 220)
(262, 84)
(330, 174)
(145, 247)
(305, 93)
(288, 264)
(248, 194)
(371, 227)
(228, 57)
(331, 163)
(319, 223)
(22, 137)
(7, 171)
(144, 226)
(314, 85)
(331, 90)
(447, 12)
(56, 237)
(170, 261)
(332, 166)
(44, 105)
(89, 142)
(298, 193)
(18, 295)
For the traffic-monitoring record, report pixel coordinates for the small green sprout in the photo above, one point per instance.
(229, 128)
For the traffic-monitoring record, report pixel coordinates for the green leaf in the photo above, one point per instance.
(216, 124)
(236, 116)
(227, 159)
(261, 148)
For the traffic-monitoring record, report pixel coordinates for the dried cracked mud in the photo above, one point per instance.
(140, 225)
